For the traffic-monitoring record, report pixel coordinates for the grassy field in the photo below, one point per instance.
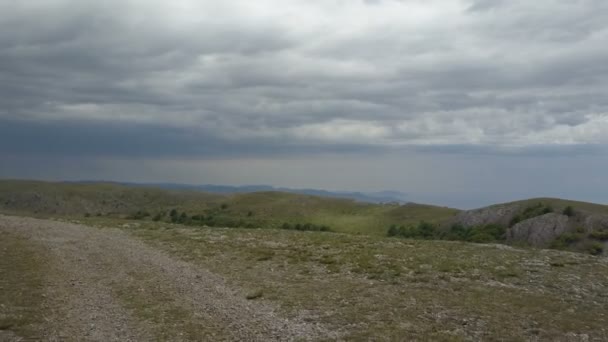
(382, 288)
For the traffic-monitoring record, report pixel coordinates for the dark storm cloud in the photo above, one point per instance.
(201, 78)
(106, 140)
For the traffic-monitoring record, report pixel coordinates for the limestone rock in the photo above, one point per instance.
(539, 231)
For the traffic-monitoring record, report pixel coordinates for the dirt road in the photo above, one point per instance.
(104, 285)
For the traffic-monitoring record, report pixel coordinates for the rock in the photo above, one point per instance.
(539, 231)
(596, 222)
(496, 214)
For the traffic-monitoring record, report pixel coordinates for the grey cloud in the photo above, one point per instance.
(82, 139)
(493, 75)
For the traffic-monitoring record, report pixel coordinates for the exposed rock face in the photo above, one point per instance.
(496, 214)
(539, 231)
(596, 222)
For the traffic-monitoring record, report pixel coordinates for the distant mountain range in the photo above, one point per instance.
(370, 197)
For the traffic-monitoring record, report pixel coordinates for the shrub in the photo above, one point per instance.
(140, 215)
(566, 239)
(515, 220)
(183, 218)
(595, 248)
(486, 233)
(568, 211)
(458, 232)
(393, 230)
(306, 227)
(599, 235)
(423, 230)
(426, 230)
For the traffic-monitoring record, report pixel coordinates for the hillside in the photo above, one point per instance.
(538, 222)
(371, 197)
(543, 222)
(49, 198)
(260, 209)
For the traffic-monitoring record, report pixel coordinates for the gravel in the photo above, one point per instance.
(90, 266)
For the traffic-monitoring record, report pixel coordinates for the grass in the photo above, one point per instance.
(262, 209)
(385, 288)
(559, 205)
(107, 199)
(22, 271)
(167, 317)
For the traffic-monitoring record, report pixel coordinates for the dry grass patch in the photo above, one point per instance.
(382, 288)
(22, 287)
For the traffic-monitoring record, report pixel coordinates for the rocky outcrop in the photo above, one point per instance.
(496, 214)
(596, 222)
(539, 231)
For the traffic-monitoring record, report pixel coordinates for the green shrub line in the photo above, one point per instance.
(305, 227)
(211, 220)
(538, 209)
(496, 233)
(457, 232)
(599, 235)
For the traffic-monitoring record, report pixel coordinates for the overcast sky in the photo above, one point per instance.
(455, 102)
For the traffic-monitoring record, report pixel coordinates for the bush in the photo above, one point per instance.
(487, 233)
(393, 230)
(423, 230)
(306, 227)
(595, 248)
(457, 232)
(140, 215)
(599, 235)
(568, 211)
(183, 218)
(426, 230)
(515, 220)
(566, 239)
(530, 212)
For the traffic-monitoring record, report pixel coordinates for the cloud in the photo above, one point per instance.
(310, 77)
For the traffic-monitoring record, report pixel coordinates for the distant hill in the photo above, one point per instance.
(269, 209)
(369, 197)
(538, 222)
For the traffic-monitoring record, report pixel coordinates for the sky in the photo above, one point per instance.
(454, 102)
